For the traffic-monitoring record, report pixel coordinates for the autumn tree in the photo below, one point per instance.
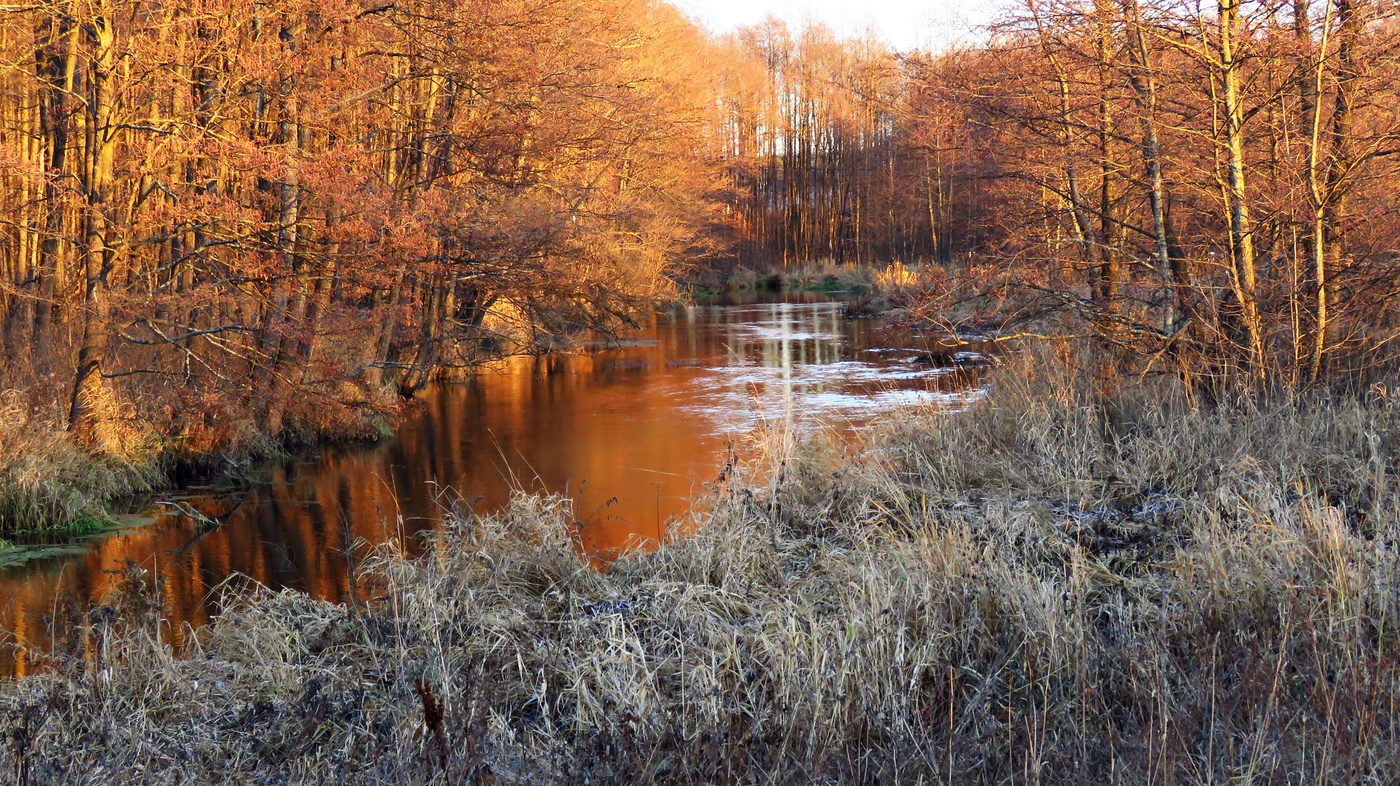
(235, 219)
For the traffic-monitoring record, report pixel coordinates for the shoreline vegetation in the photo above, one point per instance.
(52, 489)
(1061, 583)
(817, 276)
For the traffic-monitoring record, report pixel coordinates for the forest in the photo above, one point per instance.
(1206, 184)
(228, 221)
(228, 224)
(1159, 549)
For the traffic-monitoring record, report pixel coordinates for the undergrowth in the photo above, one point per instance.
(51, 488)
(48, 485)
(1056, 585)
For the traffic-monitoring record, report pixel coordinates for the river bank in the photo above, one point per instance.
(1057, 585)
(51, 490)
(811, 276)
(630, 432)
(49, 486)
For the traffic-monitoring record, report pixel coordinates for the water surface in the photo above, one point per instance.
(631, 433)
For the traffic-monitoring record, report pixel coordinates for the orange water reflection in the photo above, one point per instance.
(630, 433)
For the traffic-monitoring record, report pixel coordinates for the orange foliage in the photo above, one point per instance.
(238, 219)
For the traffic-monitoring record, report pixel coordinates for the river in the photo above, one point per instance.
(632, 432)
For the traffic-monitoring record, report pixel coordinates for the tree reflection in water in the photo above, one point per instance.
(631, 433)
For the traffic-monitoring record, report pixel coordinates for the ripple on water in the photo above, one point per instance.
(737, 398)
(776, 331)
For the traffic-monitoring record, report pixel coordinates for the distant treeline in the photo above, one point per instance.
(1216, 183)
(834, 151)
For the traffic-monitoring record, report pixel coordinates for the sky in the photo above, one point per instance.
(905, 24)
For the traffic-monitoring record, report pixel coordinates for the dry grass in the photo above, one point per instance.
(50, 486)
(830, 276)
(1055, 586)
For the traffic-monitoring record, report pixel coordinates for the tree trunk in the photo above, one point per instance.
(1330, 229)
(92, 413)
(1243, 278)
(1144, 84)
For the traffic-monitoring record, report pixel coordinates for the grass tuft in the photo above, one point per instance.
(48, 485)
